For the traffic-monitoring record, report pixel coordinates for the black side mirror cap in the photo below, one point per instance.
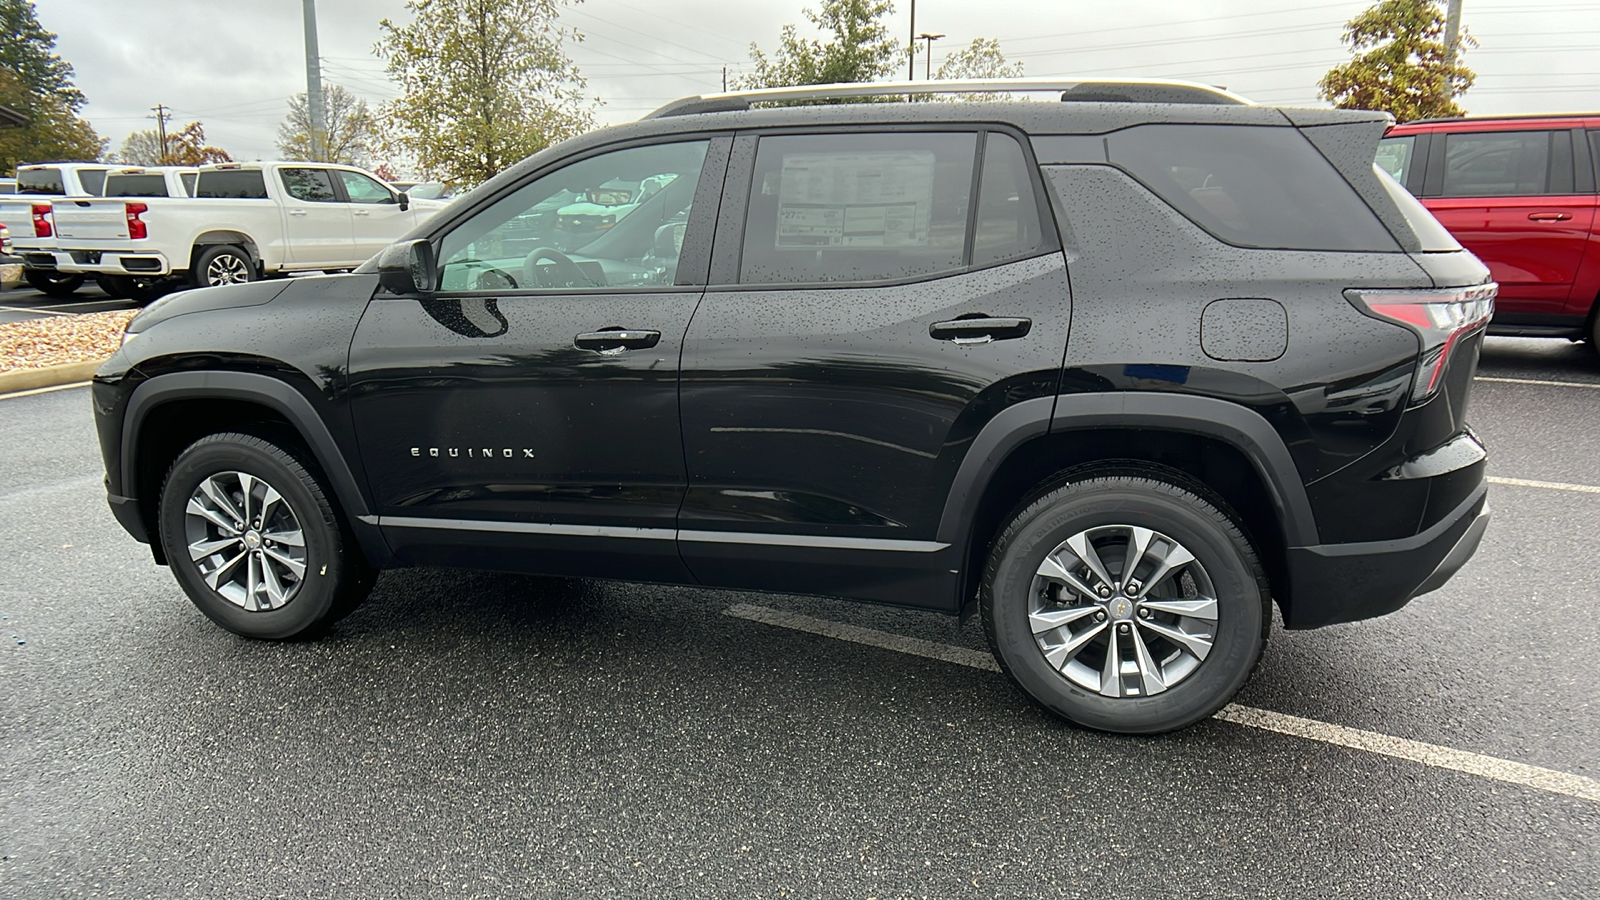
(407, 268)
(404, 200)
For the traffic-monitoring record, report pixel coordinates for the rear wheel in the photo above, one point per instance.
(223, 264)
(1126, 603)
(142, 291)
(55, 284)
(256, 542)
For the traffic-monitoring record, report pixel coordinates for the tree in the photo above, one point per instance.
(484, 83)
(185, 147)
(1399, 63)
(52, 131)
(860, 48)
(25, 50)
(981, 59)
(350, 129)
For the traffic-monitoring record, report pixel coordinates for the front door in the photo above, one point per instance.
(375, 214)
(532, 402)
(871, 320)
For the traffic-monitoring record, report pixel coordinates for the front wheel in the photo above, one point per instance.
(256, 542)
(223, 264)
(1126, 603)
(55, 284)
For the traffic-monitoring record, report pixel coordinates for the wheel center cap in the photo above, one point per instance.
(1120, 609)
(252, 539)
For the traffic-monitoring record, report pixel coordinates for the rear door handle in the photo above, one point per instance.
(297, 212)
(617, 339)
(980, 329)
(1548, 217)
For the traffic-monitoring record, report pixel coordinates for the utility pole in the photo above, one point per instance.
(314, 83)
(1452, 35)
(161, 116)
(724, 79)
(911, 46)
(930, 38)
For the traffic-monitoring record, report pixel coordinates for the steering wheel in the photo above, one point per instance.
(565, 269)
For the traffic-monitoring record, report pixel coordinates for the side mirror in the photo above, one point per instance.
(407, 268)
(405, 201)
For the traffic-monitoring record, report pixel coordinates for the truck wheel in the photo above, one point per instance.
(1126, 603)
(143, 291)
(56, 284)
(223, 264)
(255, 540)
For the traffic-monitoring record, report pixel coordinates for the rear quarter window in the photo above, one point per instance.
(247, 184)
(1251, 186)
(1394, 156)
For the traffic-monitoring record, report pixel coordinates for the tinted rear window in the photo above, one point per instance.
(136, 186)
(1251, 186)
(40, 181)
(246, 184)
(188, 182)
(8, 187)
(1507, 164)
(92, 180)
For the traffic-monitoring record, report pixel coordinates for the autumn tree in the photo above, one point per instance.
(1399, 63)
(185, 147)
(484, 83)
(349, 135)
(858, 48)
(141, 148)
(37, 83)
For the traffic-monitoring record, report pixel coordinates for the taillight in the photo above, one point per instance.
(1438, 317)
(41, 221)
(136, 227)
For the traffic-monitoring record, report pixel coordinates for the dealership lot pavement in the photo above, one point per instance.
(480, 735)
(23, 303)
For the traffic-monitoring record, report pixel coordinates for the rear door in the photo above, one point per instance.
(866, 318)
(1511, 196)
(317, 223)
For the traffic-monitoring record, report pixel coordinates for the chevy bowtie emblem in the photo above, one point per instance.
(473, 452)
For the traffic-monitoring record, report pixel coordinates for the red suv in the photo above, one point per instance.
(1518, 191)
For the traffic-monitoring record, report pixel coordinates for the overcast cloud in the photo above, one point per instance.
(233, 64)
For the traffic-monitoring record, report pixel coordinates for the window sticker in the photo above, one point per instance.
(867, 199)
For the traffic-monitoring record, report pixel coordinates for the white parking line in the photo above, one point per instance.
(1547, 485)
(1576, 384)
(1433, 755)
(26, 309)
(44, 390)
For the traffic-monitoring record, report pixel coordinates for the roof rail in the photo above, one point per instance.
(1115, 90)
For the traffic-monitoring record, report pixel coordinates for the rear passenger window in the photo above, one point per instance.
(188, 182)
(310, 185)
(1507, 164)
(136, 186)
(1007, 225)
(1251, 186)
(233, 184)
(859, 207)
(1394, 156)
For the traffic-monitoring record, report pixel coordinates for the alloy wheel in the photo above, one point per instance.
(227, 269)
(245, 541)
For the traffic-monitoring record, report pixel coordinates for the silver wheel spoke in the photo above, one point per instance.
(222, 501)
(252, 595)
(1081, 548)
(197, 508)
(1201, 608)
(1149, 673)
(1059, 656)
(1197, 645)
(1052, 569)
(1055, 618)
(1175, 556)
(247, 486)
(1138, 543)
(295, 567)
(291, 538)
(276, 596)
(1111, 672)
(202, 549)
(216, 574)
(269, 499)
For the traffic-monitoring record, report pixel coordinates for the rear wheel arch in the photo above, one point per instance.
(238, 239)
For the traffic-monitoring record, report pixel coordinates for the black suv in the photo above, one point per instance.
(1115, 371)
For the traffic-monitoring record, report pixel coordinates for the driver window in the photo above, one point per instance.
(613, 220)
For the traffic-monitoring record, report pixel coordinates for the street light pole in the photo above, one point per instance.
(911, 46)
(930, 38)
(319, 128)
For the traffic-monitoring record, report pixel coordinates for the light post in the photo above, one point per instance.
(930, 38)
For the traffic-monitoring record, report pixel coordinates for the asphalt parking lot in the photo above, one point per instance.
(20, 304)
(481, 735)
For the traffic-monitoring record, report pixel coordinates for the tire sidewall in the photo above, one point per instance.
(311, 605)
(211, 254)
(1241, 621)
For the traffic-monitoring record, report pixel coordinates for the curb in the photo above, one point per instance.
(49, 376)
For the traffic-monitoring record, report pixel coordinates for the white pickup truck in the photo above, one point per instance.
(246, 221)
(27, 214)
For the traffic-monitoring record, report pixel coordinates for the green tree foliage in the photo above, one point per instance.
(859, 48)
(1399, 63)
(484, 83)
(350, 129)
(37, 83)
(981, 59)
(185, 147)
(53, 131)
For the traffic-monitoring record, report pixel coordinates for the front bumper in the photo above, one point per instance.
(1336, 583)
(148, 264)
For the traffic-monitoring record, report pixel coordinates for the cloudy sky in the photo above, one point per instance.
(234, 63)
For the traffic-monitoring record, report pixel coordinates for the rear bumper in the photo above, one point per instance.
(145, 263)
(1336, 583)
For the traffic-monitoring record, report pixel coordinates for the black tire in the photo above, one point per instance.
(55, 284)
(143, 291)
(223, 264)
(336, 578)
(1169, 505)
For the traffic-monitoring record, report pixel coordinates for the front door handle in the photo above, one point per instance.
(980, 329)
(1548, 217)
(617, 339)
(297, 212)
(362, 212)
